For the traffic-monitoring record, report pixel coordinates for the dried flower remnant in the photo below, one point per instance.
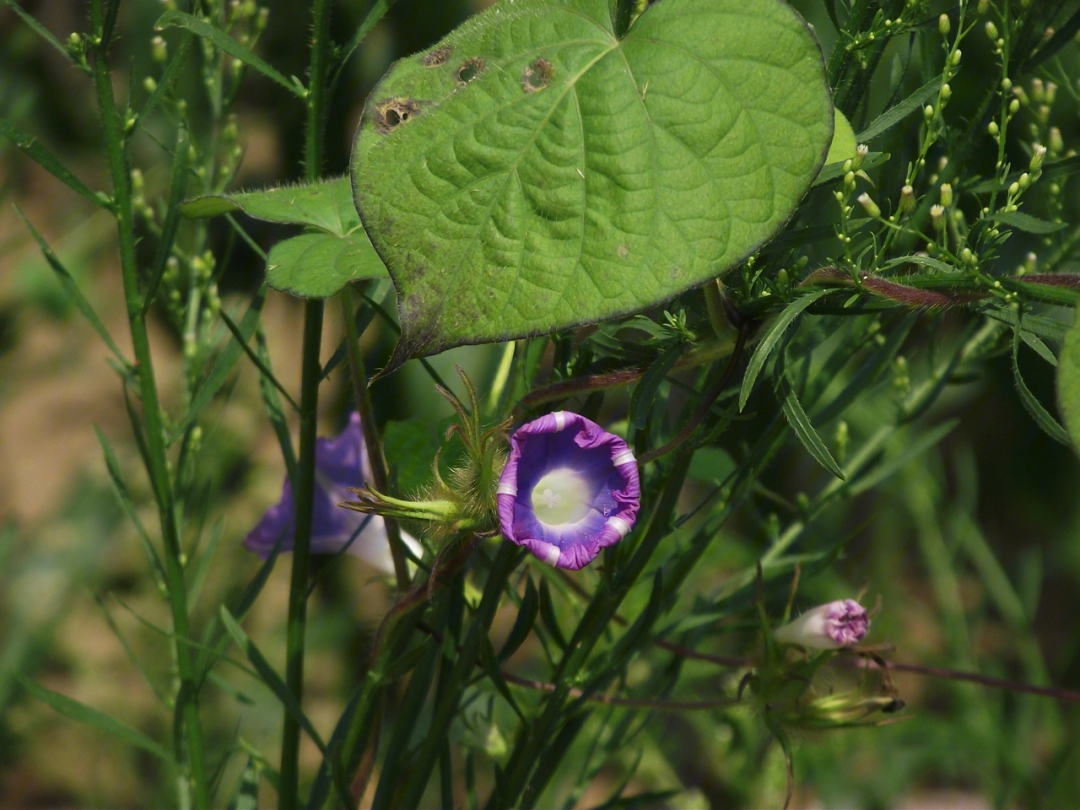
(568, 489)
(827, 627)
(340, 463)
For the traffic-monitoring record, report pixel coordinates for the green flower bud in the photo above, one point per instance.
(907, 199)
(943, 25)
(991, 30)
(1057, 145)
(1037, 156)
(937, 217)
(946, 195)
(928, 112)
(869, 205)
(158, 49)
(993, 129)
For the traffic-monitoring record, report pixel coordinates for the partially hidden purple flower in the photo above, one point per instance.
(340, 462)
(827, 627)
(569, 489)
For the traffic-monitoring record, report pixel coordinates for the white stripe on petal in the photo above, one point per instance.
(619, 525)
(548, 552)
(507, 489)
(625, 457)
(560, 419)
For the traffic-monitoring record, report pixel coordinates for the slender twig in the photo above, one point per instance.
(971, 677)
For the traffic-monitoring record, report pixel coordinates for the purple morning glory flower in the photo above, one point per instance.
(568, 489)
(340, 462)
(827, 627)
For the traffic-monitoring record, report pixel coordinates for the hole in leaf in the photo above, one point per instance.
(538, 75)
(439, 56)
(389, 115)
(470, 69)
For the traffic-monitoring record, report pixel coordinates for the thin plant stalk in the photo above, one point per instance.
(371, 435)
(310, 374)
(189, 735)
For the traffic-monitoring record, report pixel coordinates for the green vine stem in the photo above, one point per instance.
(371, 435)
(189, 740)
(288, 796)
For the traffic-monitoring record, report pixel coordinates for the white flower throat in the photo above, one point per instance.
(561, 496)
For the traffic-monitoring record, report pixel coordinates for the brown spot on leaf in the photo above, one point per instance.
(471, 69)
(394, 112)
(538, 75)
(439, 56)
(623, 250)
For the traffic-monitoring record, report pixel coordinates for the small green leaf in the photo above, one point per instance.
(644, 397)
(318, 265)
(534, 171)
(128, 504)
(50, 162)
(226, 44)
(72, 289)
(1068, 382)
(82, 713)
(326, 206)
(548, 617)
(524, 622)
(771, 339)
(1026, 222)
(800, 423)
(894, 115)
(270, 677)
(45, 34)
(1031, 403)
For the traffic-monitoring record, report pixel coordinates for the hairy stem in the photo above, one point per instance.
(189, 740)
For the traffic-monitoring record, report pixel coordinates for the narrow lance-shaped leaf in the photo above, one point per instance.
(534, 171)
(82, 713)
(50, 162)
(1068, 383)
(229, 46)
(1031, 403)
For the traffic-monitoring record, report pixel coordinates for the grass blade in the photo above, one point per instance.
(81, 713)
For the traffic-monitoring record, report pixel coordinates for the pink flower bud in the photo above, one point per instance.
(827, 627)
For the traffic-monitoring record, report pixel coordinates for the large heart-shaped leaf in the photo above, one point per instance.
(534, 171)
(313, 265)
